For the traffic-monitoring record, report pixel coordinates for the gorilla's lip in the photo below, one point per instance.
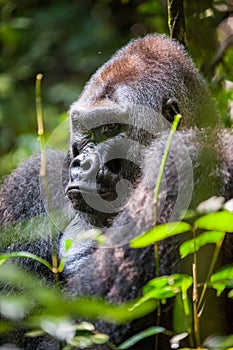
(105, 193)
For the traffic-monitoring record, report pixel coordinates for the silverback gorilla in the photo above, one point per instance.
(118, 132)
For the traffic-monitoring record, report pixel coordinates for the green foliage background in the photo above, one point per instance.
(68, 40)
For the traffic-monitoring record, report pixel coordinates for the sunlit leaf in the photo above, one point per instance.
(159, 233)
(68, 244)
(15, 308)
(59, 328)
(210, 205)
(87, 326)
(144, 334)
(175, 340)
(192, 245)
(222, 279)
(81, 342)
(220, 221)
(229, 205)
(99, 338)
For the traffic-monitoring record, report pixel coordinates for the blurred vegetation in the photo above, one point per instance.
(68, 40)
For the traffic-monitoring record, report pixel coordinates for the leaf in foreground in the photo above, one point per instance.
(26, 255)
(144, 334)
(222, 279)
(160, 232)
(193, 245)
(220, 221)
(54, 303)
(167, 286)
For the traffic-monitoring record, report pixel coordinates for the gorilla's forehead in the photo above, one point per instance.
(139, 116)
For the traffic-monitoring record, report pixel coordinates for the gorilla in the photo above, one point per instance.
(118, 133)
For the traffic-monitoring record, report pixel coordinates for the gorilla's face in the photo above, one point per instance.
(101, 157)
(107, 147)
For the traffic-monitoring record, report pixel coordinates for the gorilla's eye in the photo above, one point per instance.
(75, 151)
(110, 129)
(170, 109)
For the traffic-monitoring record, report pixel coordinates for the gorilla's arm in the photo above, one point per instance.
(25, 218)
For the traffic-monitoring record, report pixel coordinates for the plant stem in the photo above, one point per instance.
(174, 126)
(195, 300)
(112, 346)
(40, 124)
(176, 20)
(210, 271)
(41, 135)
(195, 294)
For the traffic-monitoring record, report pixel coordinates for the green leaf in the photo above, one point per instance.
(157, 233)
(220, 221)
(144, 334)
(81, 342)
(182, 314)
(99, 338)
(68, 244)
(165, 287)
(222, 279)
(85, 326)
(5, 257)
(193, 245)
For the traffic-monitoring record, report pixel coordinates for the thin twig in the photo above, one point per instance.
(176, 20)
(41, 135)
(174, 127)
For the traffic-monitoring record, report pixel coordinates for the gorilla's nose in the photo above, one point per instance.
(84, 167)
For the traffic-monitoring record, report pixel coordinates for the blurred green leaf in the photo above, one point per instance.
(56, 304)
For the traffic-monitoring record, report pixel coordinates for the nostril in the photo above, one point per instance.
(76, 163)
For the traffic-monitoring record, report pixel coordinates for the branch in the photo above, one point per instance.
(176, 20)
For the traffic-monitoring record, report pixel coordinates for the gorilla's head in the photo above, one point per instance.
(127, 103)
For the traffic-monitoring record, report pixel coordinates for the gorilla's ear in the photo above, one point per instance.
(170, 109)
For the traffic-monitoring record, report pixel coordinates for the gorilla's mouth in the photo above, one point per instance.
(74, 193)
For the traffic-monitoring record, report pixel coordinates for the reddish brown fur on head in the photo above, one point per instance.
(149, 71)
